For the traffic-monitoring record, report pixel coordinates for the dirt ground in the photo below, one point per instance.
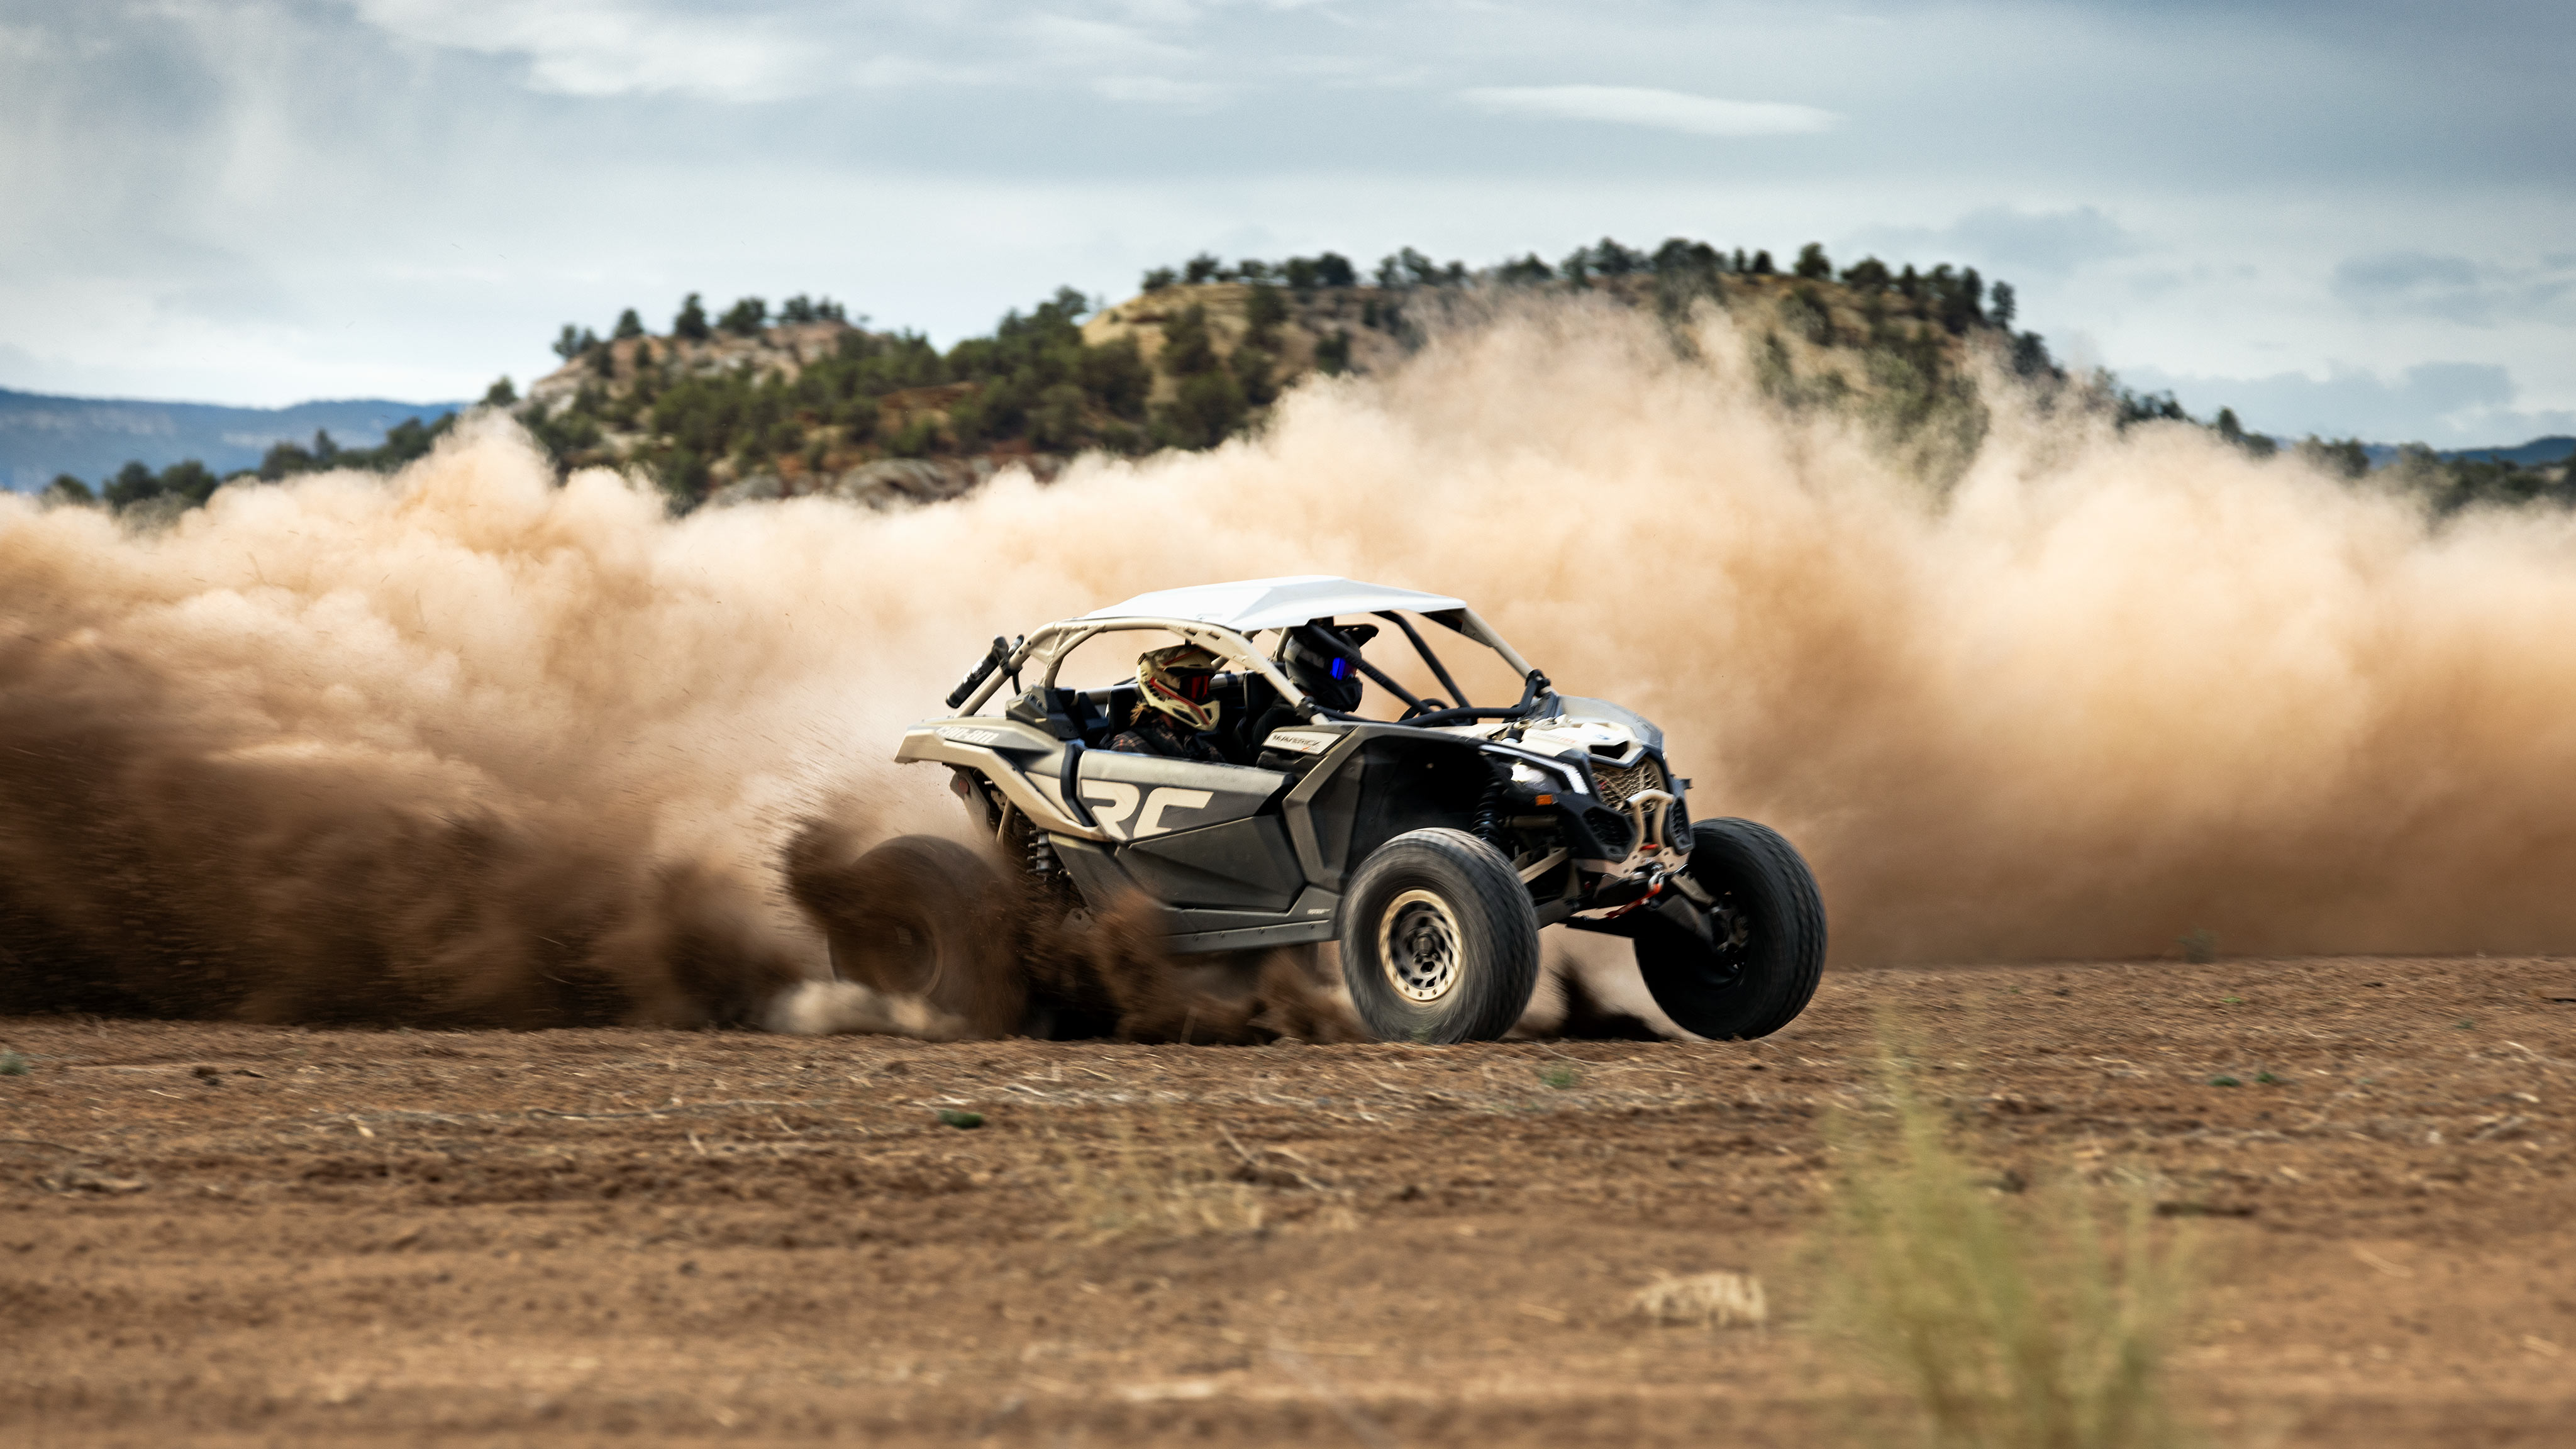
(248, 1235)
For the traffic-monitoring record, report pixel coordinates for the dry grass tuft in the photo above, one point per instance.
(2019, 1322)
(1170, 1187)
(1711, 1300)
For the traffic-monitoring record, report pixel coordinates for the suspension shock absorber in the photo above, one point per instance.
(1039, 853)
(1489, 815)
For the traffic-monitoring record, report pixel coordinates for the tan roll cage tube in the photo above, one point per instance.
(1050, 644)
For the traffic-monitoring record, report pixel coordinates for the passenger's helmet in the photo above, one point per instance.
(1177, 680)
(1328, 679)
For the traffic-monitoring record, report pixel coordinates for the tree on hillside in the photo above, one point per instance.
(1410, 268)
(746, 317)
(1266, 308)
(2233, 433)
(1159, 278)
(187, 480)
(692, 321)
(1909, 285)
(1869, 274)
(2347, 459)
(134, 482)
(628, 325)
(1332, 269)
(1611, 259)
(67, 489)
(1962, 299)
(2030, 357)
(574, 341)
(1679, 257)
(1761, 264)
(1333, 354)
(1114, 374)
(1812, 265)
(797, 309)
(1202, 269)
(2146, 407)
(2003, 307)
(1529, 271)
(1206, 412)
(500, 394)
(1252, 269)
(1251, 364)
(1187, 348)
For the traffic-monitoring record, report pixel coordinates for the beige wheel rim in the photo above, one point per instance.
(1419, 945)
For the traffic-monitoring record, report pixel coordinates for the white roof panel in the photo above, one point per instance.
(1273, 603)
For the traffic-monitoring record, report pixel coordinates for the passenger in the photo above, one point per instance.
(1327, 678)
(1175, 710)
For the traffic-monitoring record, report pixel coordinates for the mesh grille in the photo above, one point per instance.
(1612, 830)
(1619, 782)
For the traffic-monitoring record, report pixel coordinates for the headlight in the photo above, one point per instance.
(1532, 776)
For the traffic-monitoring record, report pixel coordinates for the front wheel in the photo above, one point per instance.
(1439, 941)
(1766, 945)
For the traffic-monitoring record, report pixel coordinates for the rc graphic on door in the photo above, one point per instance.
(1137, 797)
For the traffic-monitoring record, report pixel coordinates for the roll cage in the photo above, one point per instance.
(1047, 648)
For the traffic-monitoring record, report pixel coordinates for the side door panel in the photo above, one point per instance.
(1192, 834)
(1138, 797)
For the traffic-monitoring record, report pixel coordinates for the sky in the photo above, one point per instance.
(2350, 218)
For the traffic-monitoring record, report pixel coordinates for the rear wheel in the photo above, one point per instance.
(917, 916)
(1767, 937)
(1439, 942)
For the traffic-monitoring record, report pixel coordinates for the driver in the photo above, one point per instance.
(1175, 709)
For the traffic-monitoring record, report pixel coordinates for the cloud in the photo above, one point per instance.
(1660, 110)
(781, 50)
(2450, 404)
(1156, 90)
(598, 48)
(2041, 243)
(2453, 288)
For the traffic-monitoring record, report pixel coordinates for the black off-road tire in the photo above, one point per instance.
(917, 916)
(1439, 941)
(1770, 930)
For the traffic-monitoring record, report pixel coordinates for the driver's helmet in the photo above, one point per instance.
(1328, 679)
(1177, 680)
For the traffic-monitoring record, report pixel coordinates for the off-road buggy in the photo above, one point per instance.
(1432, 846)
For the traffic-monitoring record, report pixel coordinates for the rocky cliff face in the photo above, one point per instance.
(888, 483)
(783, 350)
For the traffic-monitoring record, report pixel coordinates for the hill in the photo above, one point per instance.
(43, 436)
(753, 409)
(750, 406)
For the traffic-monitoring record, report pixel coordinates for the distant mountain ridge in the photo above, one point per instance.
(2555, 448)
(43, 435)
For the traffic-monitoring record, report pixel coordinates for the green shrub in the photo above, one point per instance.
(2011, 1322)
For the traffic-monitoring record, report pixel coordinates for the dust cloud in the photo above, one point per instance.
(471, 748)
